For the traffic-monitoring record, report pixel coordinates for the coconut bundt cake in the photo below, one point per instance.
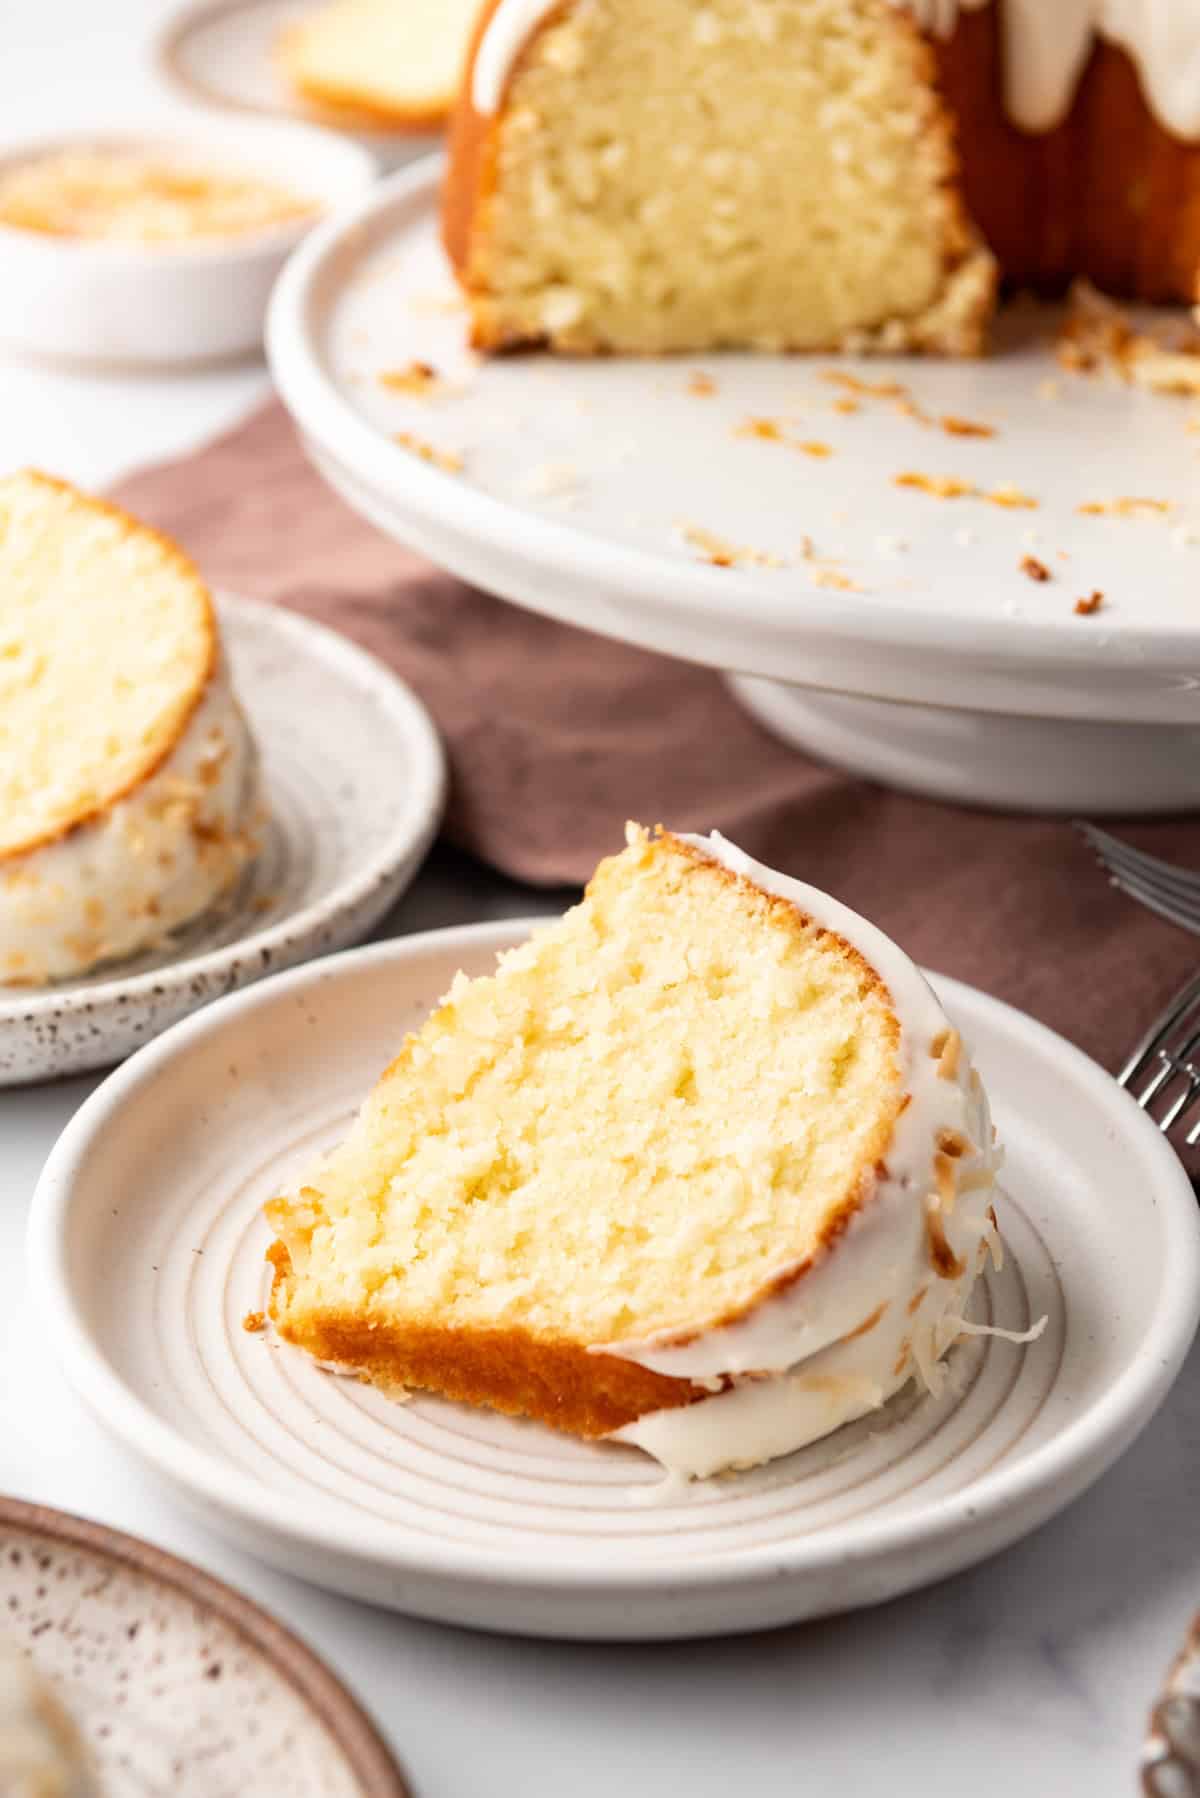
(658, 175)
(127, 773)
(702, 1167)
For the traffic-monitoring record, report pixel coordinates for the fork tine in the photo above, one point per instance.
(1172, 894)
(1178, 882)
(1162, 1078)
(1185, 916)
(1157, 1094)
(1176, 1009)
(1174, 1112)
(1168, 1060)
(1193, 1135)
(1123, 857)
(1185, 899)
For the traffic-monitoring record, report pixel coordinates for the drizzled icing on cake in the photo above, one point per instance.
(1047, 44)
(887, 1300)
(157, 857)
(1046, 47)
(509, 29)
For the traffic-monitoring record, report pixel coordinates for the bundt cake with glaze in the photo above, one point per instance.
(653, 175)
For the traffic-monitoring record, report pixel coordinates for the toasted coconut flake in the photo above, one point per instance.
(879, 390)
(769, 429)
(420, 379)
(826, 575)
(1098, 336)
(722, 554)
(965, 427)
(940, 486)
(1125, 507)
(1012, 498)
(447, 460)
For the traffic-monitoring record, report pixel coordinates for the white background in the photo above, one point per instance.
(1030, 1675)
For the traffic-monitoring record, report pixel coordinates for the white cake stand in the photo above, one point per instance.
(746, 512)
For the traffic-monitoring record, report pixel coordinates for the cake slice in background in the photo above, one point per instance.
(128, 779)
(702, 1166)
(655, 175)
(396, 63)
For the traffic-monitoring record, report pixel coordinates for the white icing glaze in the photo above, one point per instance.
(802, 1362)
(509, 29)
(163, 854)
(1046, 45)
(41, 1755)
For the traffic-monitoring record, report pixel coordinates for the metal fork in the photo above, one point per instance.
(1174, 893)
(1162, 1073)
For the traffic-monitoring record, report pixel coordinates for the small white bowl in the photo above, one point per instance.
(109, 301)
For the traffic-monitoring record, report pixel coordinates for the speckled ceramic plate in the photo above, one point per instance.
(354, 778)
(180, 1685)
(147, 1241)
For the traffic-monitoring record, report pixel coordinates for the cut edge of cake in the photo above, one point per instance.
(182, 568)
(954, 321)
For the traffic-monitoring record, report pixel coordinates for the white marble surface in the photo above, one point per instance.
(1031, 1674)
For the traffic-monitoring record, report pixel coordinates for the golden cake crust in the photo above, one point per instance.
(470, 184)
(559, 1381)
(470, 170)
(157, 751)
(556, 1382)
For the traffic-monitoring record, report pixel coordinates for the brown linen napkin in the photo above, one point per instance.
(556, 736)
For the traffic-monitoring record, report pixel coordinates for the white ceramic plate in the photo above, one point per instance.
(354, 779)
(578, 474)
(177, 1683)
(147, 1242)
(222, 53)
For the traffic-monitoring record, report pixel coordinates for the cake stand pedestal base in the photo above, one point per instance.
(987, 758)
